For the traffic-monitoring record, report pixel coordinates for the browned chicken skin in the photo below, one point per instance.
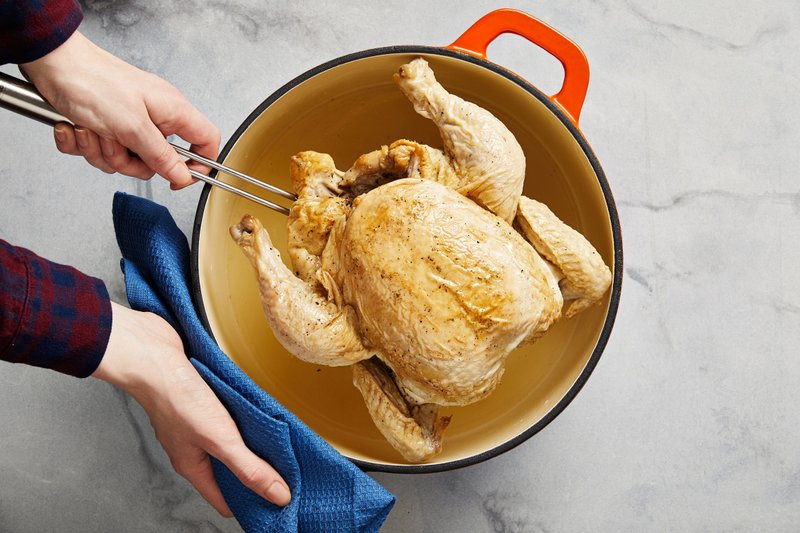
(407, 267)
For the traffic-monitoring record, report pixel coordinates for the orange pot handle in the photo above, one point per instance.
(576, 68)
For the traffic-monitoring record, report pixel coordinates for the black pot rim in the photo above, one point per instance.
(616, 287)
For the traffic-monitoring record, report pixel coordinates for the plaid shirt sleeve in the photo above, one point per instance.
(30, 29)
(51, 315)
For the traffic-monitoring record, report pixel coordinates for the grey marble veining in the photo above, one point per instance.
(689, 422)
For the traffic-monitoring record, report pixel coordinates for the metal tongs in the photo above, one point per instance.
(23, 98)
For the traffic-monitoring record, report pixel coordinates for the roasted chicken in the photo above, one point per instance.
(422, 268)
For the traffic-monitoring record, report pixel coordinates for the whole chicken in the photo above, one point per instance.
(422, 268)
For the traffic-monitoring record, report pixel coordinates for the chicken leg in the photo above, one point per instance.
(305, 322)
(487, 158)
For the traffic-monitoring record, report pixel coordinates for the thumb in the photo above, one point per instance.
(256, 474)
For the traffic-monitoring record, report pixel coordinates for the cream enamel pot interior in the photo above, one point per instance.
(350, 106)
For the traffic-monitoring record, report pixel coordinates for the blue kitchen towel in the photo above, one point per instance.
(329, 493)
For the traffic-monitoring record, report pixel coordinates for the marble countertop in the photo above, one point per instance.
(689, 422)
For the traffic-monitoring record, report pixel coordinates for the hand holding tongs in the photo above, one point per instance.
(23, 98)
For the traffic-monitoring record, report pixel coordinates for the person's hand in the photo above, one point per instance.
(118, 107)
(145, 358)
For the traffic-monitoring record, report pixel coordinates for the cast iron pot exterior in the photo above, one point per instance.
(567, 118)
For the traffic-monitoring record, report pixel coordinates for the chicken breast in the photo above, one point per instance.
(444, 288)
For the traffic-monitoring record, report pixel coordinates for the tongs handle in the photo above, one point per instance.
(23, 98)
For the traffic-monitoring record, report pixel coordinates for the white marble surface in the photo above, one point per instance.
(689, 422)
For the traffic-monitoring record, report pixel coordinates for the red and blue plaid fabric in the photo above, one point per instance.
(30, 29)
(51, 315)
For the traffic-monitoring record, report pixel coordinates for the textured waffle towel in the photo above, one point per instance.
(329, 493)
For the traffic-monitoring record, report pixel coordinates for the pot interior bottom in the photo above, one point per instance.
(348, 110)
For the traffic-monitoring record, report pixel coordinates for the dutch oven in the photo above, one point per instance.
(350, 106)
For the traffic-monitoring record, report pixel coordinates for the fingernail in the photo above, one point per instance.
(278, 493)
(82, 136)
(177, 174)
(61, 135)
